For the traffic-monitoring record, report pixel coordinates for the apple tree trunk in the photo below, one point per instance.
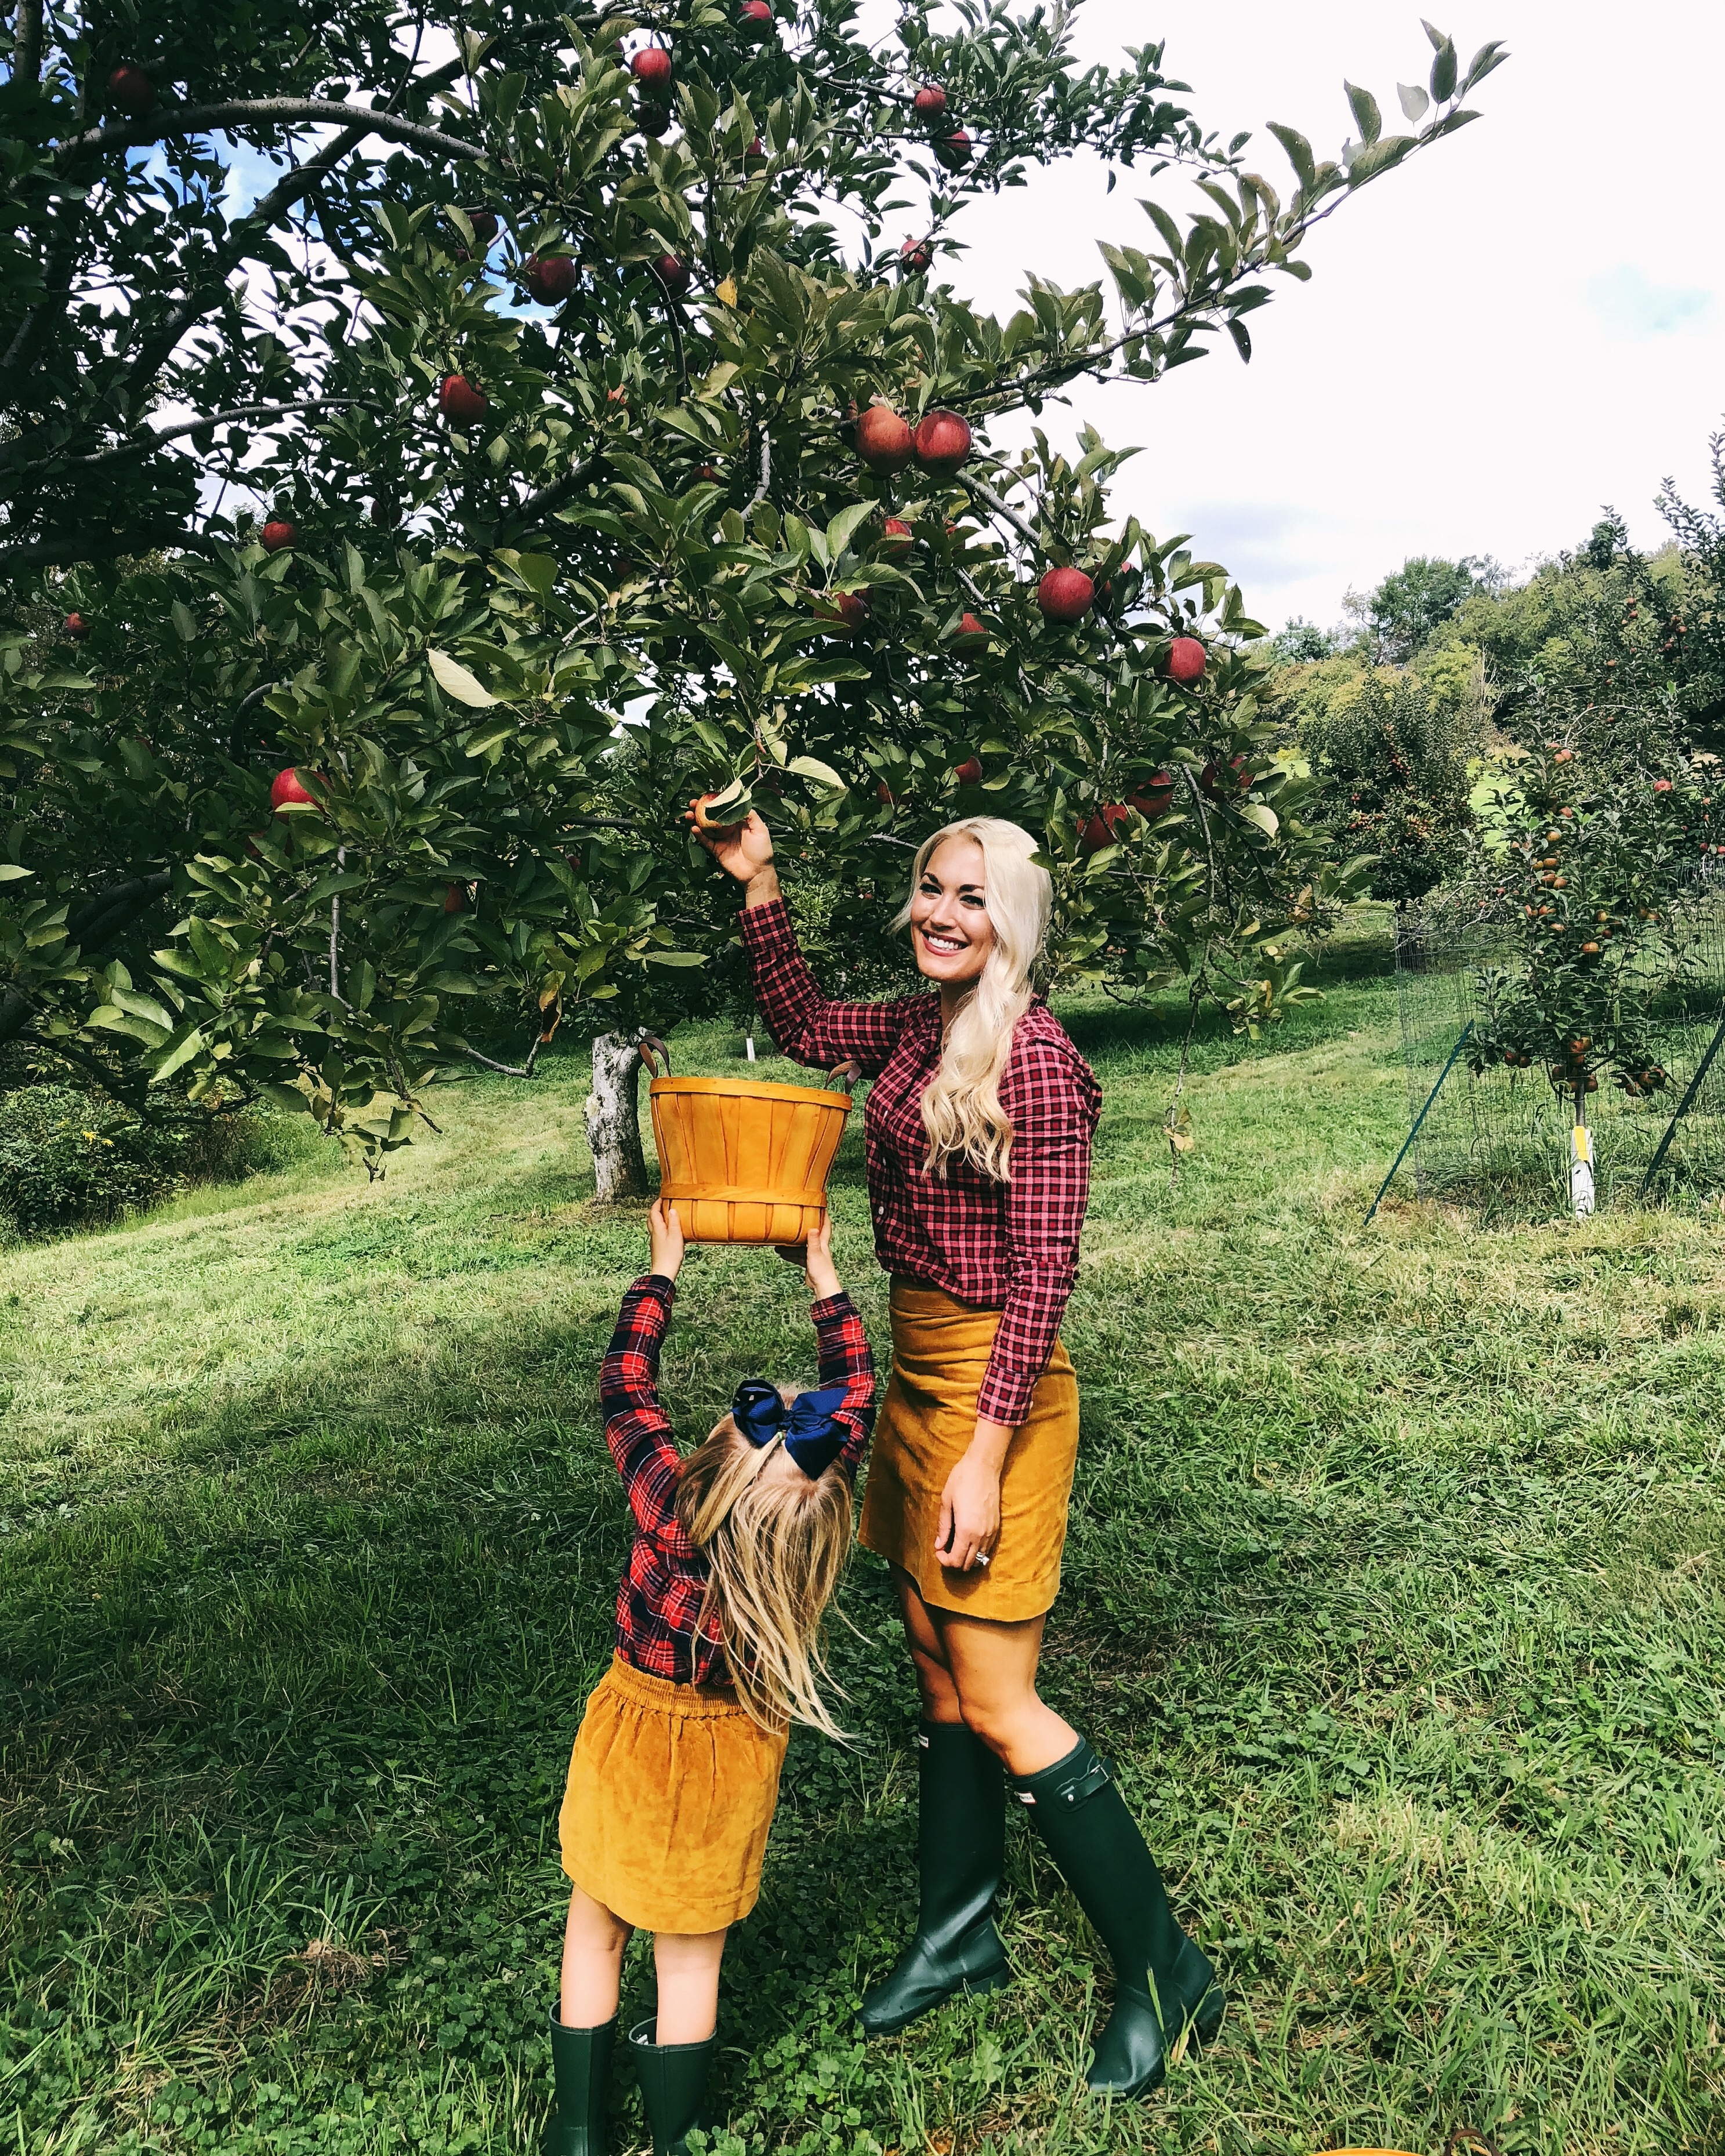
(614, 1120)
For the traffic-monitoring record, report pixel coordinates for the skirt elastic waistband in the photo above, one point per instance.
(661, 1695)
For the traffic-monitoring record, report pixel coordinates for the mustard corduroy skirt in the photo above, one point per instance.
(940, 1353)
(670, 1796)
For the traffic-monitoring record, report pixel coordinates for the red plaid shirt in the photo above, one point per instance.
(1008, 1246)
(659, 1602)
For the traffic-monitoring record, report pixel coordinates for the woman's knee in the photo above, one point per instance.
(999, 1721)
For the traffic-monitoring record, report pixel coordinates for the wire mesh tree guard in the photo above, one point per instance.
(1498, 1142)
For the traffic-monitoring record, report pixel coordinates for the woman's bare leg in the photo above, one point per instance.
(928, 1654)
(593, 1941)
(991, 1669)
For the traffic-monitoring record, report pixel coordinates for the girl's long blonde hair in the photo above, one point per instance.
(961, 1104)
(776, 1549)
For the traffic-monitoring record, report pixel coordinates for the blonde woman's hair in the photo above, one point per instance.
(961, 1104)
(776, 1549)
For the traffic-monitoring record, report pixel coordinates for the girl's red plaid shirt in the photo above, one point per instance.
(659, 1602)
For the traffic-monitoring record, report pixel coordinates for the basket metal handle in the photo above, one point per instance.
(650, 1046)
(843, 1076)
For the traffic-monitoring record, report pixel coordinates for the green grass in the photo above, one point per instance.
(1395, 1588)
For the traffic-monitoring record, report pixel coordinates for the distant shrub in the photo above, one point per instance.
(67, 1159)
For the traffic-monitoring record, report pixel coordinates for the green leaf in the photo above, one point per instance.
(184, 624)
(811, 767)
(1255, 812)
(185, 1044)
(1415, 102)
(454, 681)
(10, 872)
(1366, 116)
(1299, 151)
(1242, 337)
(1443, 71)
(845, 525)
(674, 959)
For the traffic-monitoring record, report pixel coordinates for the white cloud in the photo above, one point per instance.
(1632, 307)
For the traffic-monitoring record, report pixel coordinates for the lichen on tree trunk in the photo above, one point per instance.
(614, 1120)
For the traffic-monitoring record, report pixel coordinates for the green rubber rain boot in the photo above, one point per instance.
(673, 2078)
(961, 1846)
(581, 2070)
(1163, 1986)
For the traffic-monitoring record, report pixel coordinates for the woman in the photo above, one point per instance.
(978, 1138)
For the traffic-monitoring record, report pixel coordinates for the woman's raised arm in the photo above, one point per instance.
(808, 1027)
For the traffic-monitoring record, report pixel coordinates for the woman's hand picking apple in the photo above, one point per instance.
(743, 850)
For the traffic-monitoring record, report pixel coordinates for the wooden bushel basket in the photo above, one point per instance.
(741, 1161)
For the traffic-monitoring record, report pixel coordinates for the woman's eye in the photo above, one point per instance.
(971, 899)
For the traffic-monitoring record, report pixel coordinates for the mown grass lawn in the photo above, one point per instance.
(1394, 1587)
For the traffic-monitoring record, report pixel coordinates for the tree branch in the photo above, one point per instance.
(256, 111)
(503, 1070)
(1001, 509)
(27, 41)
(140, 444)
(553, 495)
(75, 547)
(760, 493)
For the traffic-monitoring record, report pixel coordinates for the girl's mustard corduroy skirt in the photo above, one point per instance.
(940, 1353)
(671, 1795)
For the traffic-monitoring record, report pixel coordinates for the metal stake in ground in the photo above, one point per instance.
(1418, 1120)
(1683, 1108)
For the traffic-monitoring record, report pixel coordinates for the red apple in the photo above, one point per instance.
(1187, 660)
(972, 635)
(455, 898)
(954, 153)
(970, 772)
(941, 443)
(896, 538)
(651, 67)
(1158, 797)
(131, 90)
(674, 273)
(915, 259)
(884, 440)
(1100, 830)
(754, 18)
(755, 154)
(484, 226)
(707, 475)
(461, 401)
(883, 792)
(287, 789)
(550, 278)
(77, 628)
(929, 104)
(843, 611)
(1064, 595)
(277, 533)
(1216, 782)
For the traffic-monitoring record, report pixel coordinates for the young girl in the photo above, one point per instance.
(737, 1550)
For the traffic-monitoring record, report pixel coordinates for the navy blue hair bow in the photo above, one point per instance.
(812, 1437)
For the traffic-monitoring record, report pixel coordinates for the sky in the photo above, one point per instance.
(1523, 324)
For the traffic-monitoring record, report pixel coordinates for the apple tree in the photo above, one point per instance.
(435, 443)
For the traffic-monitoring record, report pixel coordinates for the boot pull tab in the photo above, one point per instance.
(1095, 1777)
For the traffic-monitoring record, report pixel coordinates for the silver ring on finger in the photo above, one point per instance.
(981, 1557)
